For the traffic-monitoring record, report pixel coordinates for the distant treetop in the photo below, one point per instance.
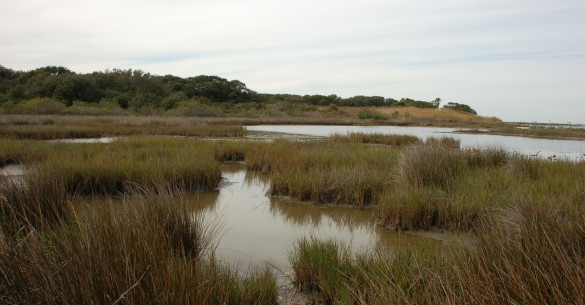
(136, 89)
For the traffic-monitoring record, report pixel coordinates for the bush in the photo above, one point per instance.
(368, 113)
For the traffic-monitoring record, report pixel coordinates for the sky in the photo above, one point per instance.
(517, 60)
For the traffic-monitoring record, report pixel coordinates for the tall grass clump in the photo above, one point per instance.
(230, 151)
(37, 201)
(448, 142)
(491, 156)
(145, 249)
(326, 269)
(110, 168)
(447, 188)
(410, 208)
(21, 151)
(376, 138)
(530, 254)
(326, 172)
(429, 165)
(320, 267)
(524, 167)
(356, 185)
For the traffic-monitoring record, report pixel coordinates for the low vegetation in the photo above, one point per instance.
(424, 116)
(71, 127)
(376, 138)
(434, 184)
(145, 248)
(535, 131)
(527, 254)
(523, 218)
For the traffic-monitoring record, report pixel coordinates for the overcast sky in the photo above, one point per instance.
(517, 60)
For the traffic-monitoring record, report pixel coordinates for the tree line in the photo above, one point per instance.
(136, 89)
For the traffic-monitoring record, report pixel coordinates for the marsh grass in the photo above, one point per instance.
(376, 138)
(524, 216)
(355, 185)
(530, 253)
(553, 132)
(526, 254)
(320, 266)
(110, 168)
(447, 142)
(21, 151)
(67, 127)
(524, 167)
(456, 189)
(145, 249)
(230, 151)
(327, 269)
(38, 202)
(429, 165)
(325, 172)
(411, 208)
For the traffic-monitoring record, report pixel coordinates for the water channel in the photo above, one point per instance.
(563, 149)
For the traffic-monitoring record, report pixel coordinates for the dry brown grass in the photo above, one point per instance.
(437, 115)
(145, 248)
(48, 127)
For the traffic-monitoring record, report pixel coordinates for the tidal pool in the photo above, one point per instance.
(258, 229)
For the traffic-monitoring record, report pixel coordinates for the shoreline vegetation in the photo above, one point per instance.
(523, 218)
(52, 127)
(65, 98)
(111, 223)
(535, 131)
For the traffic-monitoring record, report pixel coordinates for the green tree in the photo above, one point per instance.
(459, 107)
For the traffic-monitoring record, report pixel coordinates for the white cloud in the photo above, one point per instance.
(508, 59)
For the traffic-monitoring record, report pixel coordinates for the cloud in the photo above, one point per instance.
(498, 56)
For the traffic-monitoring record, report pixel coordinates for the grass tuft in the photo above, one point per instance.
(145, 249)
(376, 138)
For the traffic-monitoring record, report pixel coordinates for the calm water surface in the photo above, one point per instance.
(569, 149)
(258, 229)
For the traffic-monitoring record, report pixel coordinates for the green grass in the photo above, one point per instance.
(68, 127)
(111, 168)
(320, 267)
(326, 269)
(325, 172)
(144, 249)
(377, 138)
(523, 216)
(20, 151)
(372, 114)
(455, 189)
(526, 254)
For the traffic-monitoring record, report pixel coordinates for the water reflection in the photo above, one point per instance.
(87, 140)
(14, 174)
(565, 149)
(13, 170)
(307, 214)
(259, 229)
